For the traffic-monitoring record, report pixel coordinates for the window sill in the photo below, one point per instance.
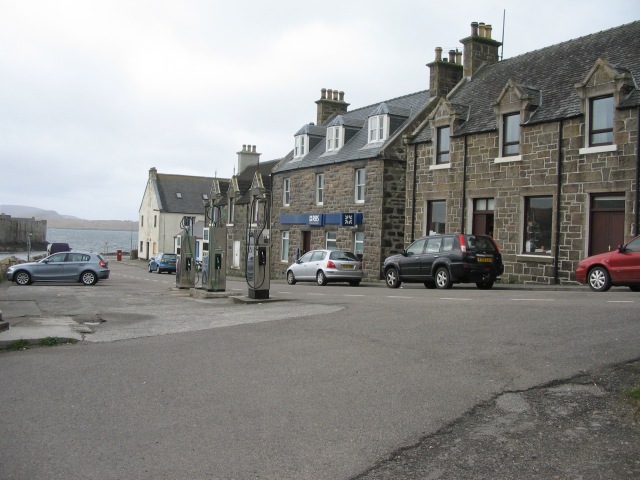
(229, 225)
(441, 166)
(512, 158)
(534, 258)
(598, 149)
(359, 202)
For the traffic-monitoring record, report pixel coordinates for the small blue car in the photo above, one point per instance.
(163, 262)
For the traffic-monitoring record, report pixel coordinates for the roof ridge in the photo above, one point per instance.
(385, 101)
(555, 45)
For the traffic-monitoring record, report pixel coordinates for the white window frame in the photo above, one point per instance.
(358, 239)
(378, 128)
(359, 185)
(335, 138)
(286, 191)
(332, 241)
(284, 247)
(440, 153)
(301, 146)
(320, 189)
(503, 135)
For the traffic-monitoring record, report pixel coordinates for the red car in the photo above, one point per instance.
(618, 267)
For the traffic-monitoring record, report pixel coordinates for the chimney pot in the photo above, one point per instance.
(458, 57)
(482, 29)
(474, 29)
(488, 29)
(452, 56)
(438, 54)
(323, 93)
(253, 149)
(244, 147)
(341, 96)
(330, 94)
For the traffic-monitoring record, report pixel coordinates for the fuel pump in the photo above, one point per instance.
(186, 260)
(214, 271)
(258, 273)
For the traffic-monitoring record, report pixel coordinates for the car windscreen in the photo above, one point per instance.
(346, 256)
(168, 257)
(480, 244)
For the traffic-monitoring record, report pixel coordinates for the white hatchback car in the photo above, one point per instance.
(324, 266)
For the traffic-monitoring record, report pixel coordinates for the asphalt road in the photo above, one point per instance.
(322, 385)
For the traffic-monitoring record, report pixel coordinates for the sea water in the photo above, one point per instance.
(97, 241)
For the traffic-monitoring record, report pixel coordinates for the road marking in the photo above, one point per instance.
(532, 300)
(318, 294)
(620, 301)
(351, 295)
(397, 296)
(451, 298)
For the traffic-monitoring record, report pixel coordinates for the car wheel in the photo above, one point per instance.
(485, 285)
(634, 288)
(158, 271)
(149, 268)
(443, 279)
(88, 278)
(291, 278)
(392, 278)
(354, 283)
(23, 278)
(321, 278)
(599, 279)
(430, 284)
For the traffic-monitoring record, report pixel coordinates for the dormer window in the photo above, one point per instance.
(378, 128)
(511, 135)
(334, 138)
(302, 143)
(601, 121)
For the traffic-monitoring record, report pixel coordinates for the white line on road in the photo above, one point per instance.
(397, 296)
(532, 300)
(318, 294)
(620, 301)
(451, 298)
(350, 295)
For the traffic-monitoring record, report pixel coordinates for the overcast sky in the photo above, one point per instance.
(94, 93)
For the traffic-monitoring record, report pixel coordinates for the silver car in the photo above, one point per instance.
(86, 268)
(324, 266)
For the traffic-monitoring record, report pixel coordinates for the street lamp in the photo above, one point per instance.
(29, 247)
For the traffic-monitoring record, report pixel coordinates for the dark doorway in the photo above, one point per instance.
(306, 242)
(607, 223)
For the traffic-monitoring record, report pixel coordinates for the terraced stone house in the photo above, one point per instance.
(540, 151)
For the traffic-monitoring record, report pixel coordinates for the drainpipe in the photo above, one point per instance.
(415, 182)
(637, 205)
(556, 253)
(464, 184)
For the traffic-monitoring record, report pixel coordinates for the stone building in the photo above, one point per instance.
(540, 151)
(22, 233)
(343, 186)
(166, 201)
(239, 201)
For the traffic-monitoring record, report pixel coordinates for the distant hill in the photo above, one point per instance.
(55, 220)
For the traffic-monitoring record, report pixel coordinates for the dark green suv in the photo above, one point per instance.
(439, 261)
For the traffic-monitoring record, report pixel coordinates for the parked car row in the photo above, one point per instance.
(437, 261)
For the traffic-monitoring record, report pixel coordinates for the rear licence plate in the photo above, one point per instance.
(485, 260)
(347, 267)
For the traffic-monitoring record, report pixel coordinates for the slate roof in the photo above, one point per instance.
(551, 73)
(245, 179)
(357, 148)
(191, 190)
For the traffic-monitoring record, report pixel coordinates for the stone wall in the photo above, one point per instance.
(509, 183)
(15, 231)
(382, 211)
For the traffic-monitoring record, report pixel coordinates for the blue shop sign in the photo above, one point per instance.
(321, 219)
(316, 219)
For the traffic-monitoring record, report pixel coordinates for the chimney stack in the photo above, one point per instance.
(330, 105)
(444, 74)
(247, 157)
(479, 48)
